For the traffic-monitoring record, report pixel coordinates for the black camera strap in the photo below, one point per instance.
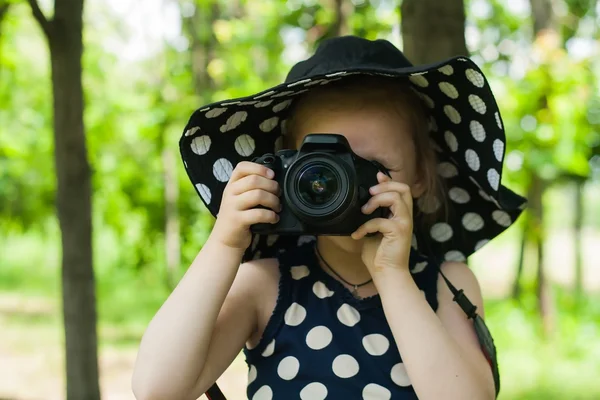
(486, 342)
(483, 336)
(214, 393)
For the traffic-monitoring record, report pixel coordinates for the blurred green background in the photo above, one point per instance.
(147, 65)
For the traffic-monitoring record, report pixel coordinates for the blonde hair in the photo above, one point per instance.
(399, 94)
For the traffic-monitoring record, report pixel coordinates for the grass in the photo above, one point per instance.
(563, 365)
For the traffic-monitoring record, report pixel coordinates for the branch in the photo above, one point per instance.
(45, 24)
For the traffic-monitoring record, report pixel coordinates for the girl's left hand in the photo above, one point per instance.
(390, 248)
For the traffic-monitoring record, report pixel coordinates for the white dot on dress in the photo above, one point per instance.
(314, 391)
(419, 267)
(481, 243)
(459, 195)
(498, 149)
(376, 344)
(234, 121)
(455, 255)
(269, 350)
(215, 112)
(348, 315)
(477, 103)
(192, 131)
(472, 159)
(449, 90)
(374, 391)
(201, 144)
(441, 232)
(419, 80)
(318, 337)
(447, 70)
(288, 368)
(502, 218)
(294, 315)
(204, 192)
(400, 376)
(451, 141)
(345, 366)
(244, 145)
(447, 170)
(263, 104)
(264, 393)
(472, 222)
(429, 204)
(269, 124)
(493, 178)
(282, 106)
(452, 114)
(477, 130)
(321, 291)
(251, 374)
(300, 271)
(222, 169)
(475, 77)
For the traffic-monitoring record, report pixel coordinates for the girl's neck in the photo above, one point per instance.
(347, 263)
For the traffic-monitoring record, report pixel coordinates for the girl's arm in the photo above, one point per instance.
(199, 329)
(441, 353)
(204, 323)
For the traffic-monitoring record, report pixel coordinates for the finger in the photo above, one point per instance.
(245, 168)
(251, 182)
(258, 216)
(257, 197)
(381, 177)
(381, 225)
(391, 200)
(393, 186)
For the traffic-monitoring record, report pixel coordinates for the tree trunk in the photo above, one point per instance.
(544, 295)
(578, 224)
(343, 9)
(543, 19)
(64, 35)
(4, 5)
(199, 29)
(433, 30)
(516, 287)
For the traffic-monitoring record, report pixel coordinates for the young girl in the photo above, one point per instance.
(341, 317)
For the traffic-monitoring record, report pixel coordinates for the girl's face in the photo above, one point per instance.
(375, 131)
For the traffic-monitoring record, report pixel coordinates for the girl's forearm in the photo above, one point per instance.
(434, 361)
(177, 339)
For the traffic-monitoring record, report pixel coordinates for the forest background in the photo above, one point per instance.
(98, 220)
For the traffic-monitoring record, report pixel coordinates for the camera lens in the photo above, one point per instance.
(318, 185)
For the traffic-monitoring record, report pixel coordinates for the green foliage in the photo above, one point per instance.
(136, 110)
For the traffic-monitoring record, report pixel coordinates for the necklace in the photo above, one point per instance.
(354, 286)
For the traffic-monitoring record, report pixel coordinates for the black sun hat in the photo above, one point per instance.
(466, 129)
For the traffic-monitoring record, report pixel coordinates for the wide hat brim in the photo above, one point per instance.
(466, 129)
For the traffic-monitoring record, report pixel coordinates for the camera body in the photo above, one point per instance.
(324, 185)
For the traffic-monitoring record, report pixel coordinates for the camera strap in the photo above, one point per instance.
(486, 342)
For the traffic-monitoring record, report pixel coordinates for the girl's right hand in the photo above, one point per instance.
(251, 185)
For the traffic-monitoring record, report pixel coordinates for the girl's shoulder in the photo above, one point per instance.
(260, 271)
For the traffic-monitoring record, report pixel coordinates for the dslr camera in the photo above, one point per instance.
(324, 185)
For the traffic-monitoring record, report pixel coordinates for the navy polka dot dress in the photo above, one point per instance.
(323, 343)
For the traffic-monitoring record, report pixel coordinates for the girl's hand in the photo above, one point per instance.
(390, 248)
(251, 185)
